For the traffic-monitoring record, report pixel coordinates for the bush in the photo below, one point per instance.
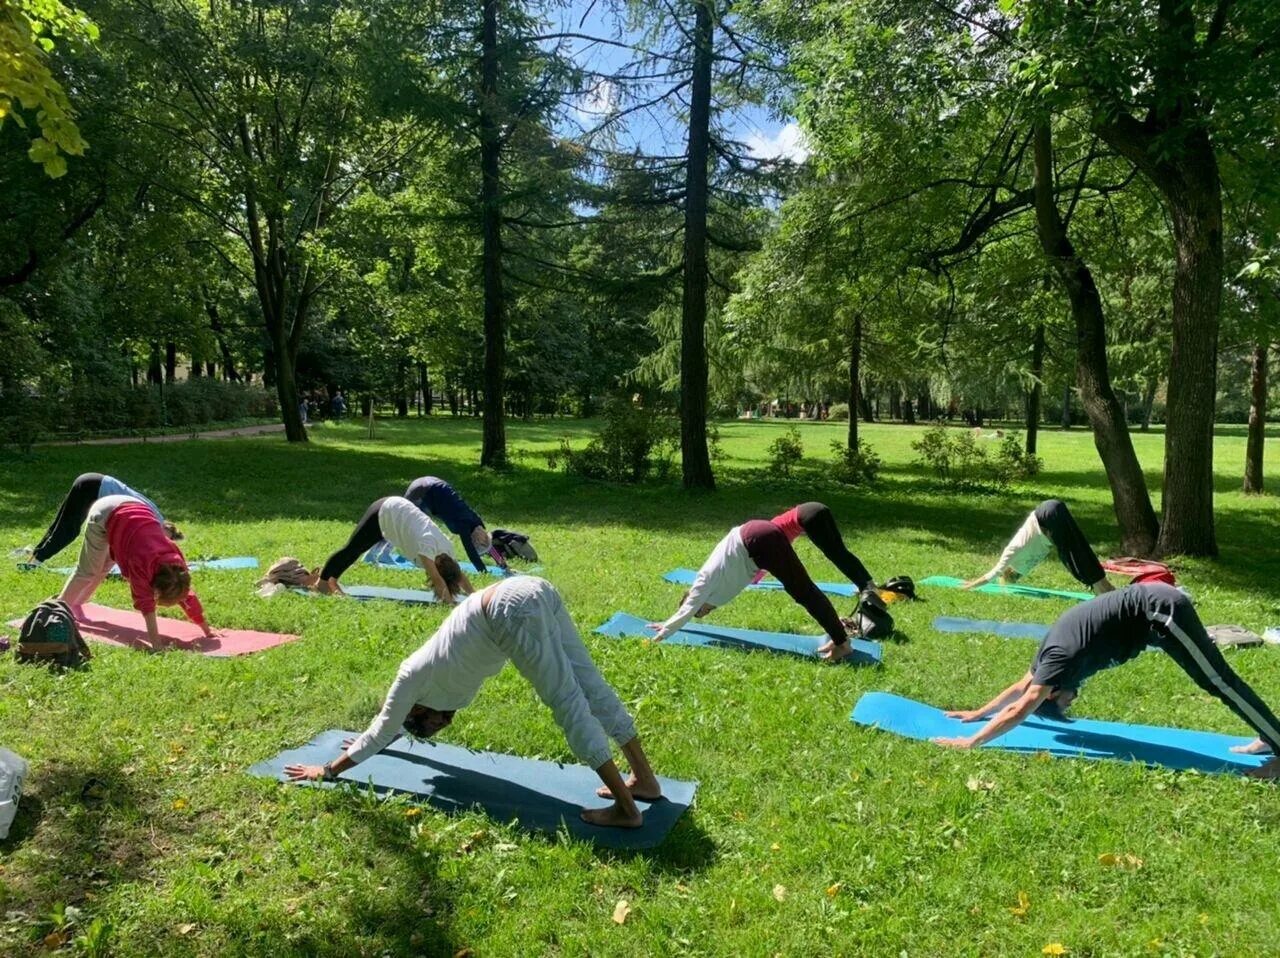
(634, 443)
(839, 412)
(785, 453)
(854, 467)
(956, 460)
(1013, 462)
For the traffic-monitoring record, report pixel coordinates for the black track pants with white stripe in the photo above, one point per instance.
(1180, 633)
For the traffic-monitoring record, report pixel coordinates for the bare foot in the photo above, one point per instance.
(1256, 747)
(649, 791)
(1271, 770)
(612, 817)
(834, 653)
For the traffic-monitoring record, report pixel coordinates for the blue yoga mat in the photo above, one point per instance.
(233, 562)
(1079, 738)
(394, 560)
(367, 592)
(999, 588)
(1007, 630)
(686, 577)
(714, 636)
(541, 796)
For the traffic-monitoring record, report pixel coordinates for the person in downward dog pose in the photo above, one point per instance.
(124, 531)
(521, 619)
(1109, 631)
(759, 546)
(445, 504)
(1050, 526)
(74, 510)
(413, 535)
(813, 519)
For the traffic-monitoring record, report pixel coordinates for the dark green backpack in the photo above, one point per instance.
(50, 635)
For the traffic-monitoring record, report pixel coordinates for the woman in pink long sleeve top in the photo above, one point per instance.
(124, 531)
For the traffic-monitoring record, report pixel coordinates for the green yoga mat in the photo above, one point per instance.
(1030, 591)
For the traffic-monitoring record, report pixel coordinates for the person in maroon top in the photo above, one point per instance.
(124, 531)
(814, 520)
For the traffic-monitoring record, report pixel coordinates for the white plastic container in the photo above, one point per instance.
(13, 769)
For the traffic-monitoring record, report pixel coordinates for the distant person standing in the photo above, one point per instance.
(338, 404)
(302, 410)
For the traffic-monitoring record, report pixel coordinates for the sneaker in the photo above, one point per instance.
(29, 566)
(24, 552)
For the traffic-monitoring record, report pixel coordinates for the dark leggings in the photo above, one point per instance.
(769, 549)
(1073, 548)
(368, 533)
(820, 526)
(1181, 634)
(71, 516)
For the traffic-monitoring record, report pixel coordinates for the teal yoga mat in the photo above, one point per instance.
(622, 625)
(394, 560)
(541, 796)
(232, 562)
(1079, 738)
(686, 577)
(1007, 630)
(1031, 591)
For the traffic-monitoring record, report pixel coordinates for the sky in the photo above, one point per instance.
(653, 130)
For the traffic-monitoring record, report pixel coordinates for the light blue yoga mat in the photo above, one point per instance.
(686, 577)
(999, 588)
(1007, 630)
(233, 562)
(541, 796)
(1080, 738)
(394, 560)
(715, 636)
(367, 592)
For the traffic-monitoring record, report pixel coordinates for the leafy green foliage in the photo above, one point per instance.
(854, 467)
(785, 453)
(634, 443)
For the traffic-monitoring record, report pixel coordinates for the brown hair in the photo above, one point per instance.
(449, 570)
(172, 582)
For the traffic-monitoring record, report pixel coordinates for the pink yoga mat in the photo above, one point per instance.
(126, 628)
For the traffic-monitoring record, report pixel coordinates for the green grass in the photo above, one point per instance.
(881, 846)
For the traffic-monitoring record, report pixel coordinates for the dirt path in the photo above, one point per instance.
(177, 437)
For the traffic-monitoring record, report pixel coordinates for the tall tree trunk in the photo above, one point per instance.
(1132, 503)
(1037, 387)
(494, 447)
(195, 369)
(170, 361)
(908, 408)
(285, 364)
(695, 458)
(155, 371)
(855, 381)
(1257, 419)
(424, 384)
(1066, 404)
(1148, 403)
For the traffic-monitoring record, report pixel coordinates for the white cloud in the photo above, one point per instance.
(787, 142)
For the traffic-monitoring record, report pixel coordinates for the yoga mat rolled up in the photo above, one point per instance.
(125, 628)
(714, 636)
(1078, 738)
(686, 577)
(541, 796)
(999, 588)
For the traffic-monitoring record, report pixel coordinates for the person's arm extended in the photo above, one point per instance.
(153, 628)
(1010, 716)
(1012, 693)
(691, 604)
(438, 585)
(382, 731)
(194, 611)
(1026, 532)
(473, 552)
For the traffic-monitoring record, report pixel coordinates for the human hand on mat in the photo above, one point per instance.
(966, 742)
(1256, 747)
(966, 715)
(304, 773)
(659, 633)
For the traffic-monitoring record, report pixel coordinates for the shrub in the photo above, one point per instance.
(956, 459)
(633, 443)
(854, 467)
(785, 453)
(839, 412)
(1013, 462)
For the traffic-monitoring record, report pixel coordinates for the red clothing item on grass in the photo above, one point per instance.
(139, 547)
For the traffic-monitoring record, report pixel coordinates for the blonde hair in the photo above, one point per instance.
(172, 582)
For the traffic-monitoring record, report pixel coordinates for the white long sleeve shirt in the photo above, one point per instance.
(727, 571)
(445, 674)
(412, 531)
(1026, 550)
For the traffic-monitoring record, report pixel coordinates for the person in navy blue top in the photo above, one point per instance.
(442, 502)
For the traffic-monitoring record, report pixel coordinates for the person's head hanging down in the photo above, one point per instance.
(1049, 527)
(124, 530)
(521, 619)
(413, 534)
(1109, 631)
(445, 504)
(753, 547)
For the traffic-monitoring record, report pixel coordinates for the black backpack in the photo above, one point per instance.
(50, 636)
(871, 618)
(514, 545)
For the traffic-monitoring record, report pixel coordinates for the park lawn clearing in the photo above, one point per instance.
(139, 811)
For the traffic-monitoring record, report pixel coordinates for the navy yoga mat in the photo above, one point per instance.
(1079, 738)
(233, 562)
(686, 577)
(541, 796)
(715, 636)
(999, 588)
(1007, 630)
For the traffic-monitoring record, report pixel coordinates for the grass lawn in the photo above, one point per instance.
(810, 836)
